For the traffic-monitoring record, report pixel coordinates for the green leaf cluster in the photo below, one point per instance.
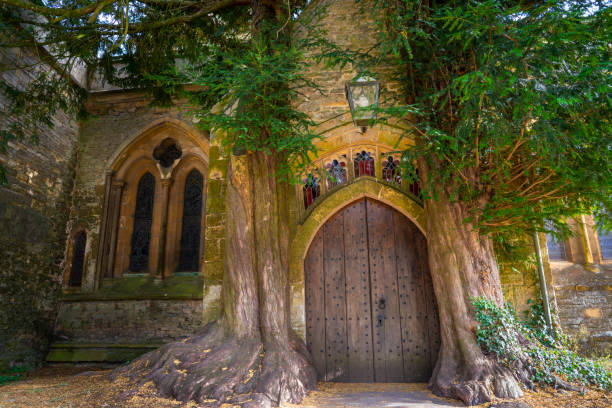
(254, 87)
(544, 355)
(13, 374)
(515, 105)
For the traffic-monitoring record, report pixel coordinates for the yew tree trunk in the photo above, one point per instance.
(463, 266)
(251, 357)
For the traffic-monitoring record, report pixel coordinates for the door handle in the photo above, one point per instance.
(381, 303)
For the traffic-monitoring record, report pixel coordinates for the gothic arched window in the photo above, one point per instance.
(311, 189)
(78, 259)
(364, 164)
(391, 171)
(143, 218)
(189, 259)
(336, 173)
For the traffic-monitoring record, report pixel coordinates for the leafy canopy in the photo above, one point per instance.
(513, 97)
(514, 101)
(239, 67)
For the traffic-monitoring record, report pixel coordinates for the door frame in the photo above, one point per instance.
(330, 205)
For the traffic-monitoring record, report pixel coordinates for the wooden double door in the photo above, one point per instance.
(371, 314)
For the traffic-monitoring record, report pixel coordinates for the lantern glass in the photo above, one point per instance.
(362, 94)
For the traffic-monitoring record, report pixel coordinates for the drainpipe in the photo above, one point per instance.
(543, 287)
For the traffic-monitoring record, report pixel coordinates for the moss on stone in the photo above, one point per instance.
(109, 353)
(135, 288)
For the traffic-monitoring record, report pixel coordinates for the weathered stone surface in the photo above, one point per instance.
(33, 214)
(127, 321)
(584, 300)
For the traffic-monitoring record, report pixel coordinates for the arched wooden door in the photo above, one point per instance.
(371, 313)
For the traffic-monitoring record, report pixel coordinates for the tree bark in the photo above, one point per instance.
(251, 357)
(463, 266)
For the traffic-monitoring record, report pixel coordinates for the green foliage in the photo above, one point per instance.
(545, 356)
(243, 71)
(254, 86)
(13, 374)
(496, 331)
(515, 105)
(514, 251)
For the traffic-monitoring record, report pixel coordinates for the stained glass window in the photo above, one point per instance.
(391, 171)
(311, 190)
(364, 164)
(78, 258)
(415, 187)
(143, 219)
(189, 259)
(336, 173)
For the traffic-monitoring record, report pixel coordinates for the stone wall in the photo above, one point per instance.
(128, 321)
(33, 214)
(519, 286)
(584, 301)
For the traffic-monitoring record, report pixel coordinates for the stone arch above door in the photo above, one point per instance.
(371, 313)
(329, 206)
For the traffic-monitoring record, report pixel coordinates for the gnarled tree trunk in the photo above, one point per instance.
(251, 356)
(463, 266)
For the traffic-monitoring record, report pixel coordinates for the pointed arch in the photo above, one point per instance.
(330, 205)
(147, 150)
(160, 129)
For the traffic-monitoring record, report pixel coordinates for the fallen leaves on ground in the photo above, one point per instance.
(60, 386)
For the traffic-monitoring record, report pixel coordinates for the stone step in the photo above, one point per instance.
(62, 352)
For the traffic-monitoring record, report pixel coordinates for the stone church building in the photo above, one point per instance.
(112, 233)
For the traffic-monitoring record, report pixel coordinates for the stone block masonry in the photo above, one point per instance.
(584, 300)
(127, 321)
(33, 214)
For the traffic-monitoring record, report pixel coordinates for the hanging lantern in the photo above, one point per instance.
(362, 94)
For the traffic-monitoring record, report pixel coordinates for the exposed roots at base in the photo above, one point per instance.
(477, 382)
(212, 368)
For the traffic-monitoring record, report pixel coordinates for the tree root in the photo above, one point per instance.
(212, 368)
(475, 383)
(287, 373)
(478, 382)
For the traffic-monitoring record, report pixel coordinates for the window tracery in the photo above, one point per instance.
(143, 219)
(336, 173)
(391, 171)
(167, 152)
(364, 164)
